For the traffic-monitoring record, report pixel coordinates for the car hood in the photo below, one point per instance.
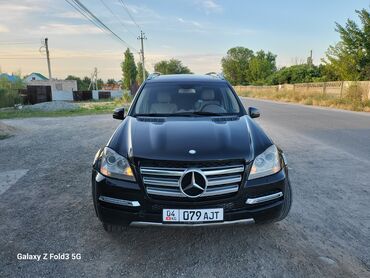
(173, 138)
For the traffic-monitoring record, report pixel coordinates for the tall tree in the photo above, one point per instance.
(235, 65)
(129, 70)
(350, 57)
(260, 67)
(242, 66)
(139, 77)
(172, 66)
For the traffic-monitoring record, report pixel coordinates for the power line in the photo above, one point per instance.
(120, 21)
(96, 19)
(82, 9)
(129, 14)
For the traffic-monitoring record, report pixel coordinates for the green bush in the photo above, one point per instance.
(9, 97)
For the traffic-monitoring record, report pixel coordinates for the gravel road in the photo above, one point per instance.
(46, 206)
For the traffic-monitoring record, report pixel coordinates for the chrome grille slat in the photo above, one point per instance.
(165, 181)
(224, 180)
(161, 182)
(220, 191)
(223, 171)
(164, 192)
(161, 172)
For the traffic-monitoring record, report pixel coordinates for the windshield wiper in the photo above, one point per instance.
(184, 114)
(151, 115)
(203, 113)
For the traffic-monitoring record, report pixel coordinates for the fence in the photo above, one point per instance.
(337, 89)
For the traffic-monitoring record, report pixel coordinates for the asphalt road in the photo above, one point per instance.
(46, 206)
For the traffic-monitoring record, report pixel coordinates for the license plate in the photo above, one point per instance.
(193, 215)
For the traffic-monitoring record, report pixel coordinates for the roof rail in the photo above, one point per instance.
(153, 75)
(215, 74)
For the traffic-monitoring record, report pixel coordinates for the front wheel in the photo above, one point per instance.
(286, 207)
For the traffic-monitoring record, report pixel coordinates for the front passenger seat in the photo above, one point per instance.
(163, 104)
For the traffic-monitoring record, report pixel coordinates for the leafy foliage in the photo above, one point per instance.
(242, 66)
(9, 91)
(296, 74)
(172, 66)
(82, 84)
(139, 77)
(129, 70)
(350, 57)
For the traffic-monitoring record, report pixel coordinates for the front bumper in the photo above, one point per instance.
(123, 202)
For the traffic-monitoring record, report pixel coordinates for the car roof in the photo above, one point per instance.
(185, 78)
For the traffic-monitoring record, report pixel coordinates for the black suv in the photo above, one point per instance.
(188, 153)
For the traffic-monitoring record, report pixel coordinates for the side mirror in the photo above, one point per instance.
(253, 112)
(119, 113)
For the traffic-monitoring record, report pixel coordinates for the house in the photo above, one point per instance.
(11, 78)
(35, 76)
(60, 89)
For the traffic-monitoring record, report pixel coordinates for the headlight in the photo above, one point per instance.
(267, 163)
(115, 166)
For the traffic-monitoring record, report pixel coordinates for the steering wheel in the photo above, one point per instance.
(213, 108)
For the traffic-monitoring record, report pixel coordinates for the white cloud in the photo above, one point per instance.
(3, 29)
(67, 29)
(190, 23)
(7, 7)
(209, 6)
(70, 14)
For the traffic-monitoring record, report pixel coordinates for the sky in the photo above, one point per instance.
(197, 32)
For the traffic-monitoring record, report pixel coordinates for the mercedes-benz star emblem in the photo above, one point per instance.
(193, 183)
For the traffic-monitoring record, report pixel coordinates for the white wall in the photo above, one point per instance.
(113, 93)
(60, 89)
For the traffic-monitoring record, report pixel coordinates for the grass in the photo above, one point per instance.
(352, 99)
(85, 108)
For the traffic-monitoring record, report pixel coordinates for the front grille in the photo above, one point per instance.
(164, 181)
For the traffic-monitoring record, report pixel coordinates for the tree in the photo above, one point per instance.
(111, 81)
(242, 66)
(350, 57)
(100, 83)
(260, 67)
(172, 66)
(296, 74)
(235, 65)
(139, 77)
(129, 70)
(79, 81)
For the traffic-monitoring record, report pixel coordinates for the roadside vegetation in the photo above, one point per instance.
(352, 100)
(84, 108)
(9, 95)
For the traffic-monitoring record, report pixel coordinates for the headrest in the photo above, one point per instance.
(163, 97)
(208, 94)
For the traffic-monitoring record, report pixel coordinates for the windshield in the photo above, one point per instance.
(186, 99)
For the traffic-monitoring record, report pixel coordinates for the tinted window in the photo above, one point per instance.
(169, 99)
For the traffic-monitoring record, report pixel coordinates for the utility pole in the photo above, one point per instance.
(142, 38)
(48, 57)
(94, 80)
(310, 59)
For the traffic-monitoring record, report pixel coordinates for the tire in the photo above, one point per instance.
(287, 203)
(110, 228)
(284, 211)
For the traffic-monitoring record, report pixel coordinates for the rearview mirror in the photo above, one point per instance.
(253, 112)
(119, 113)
